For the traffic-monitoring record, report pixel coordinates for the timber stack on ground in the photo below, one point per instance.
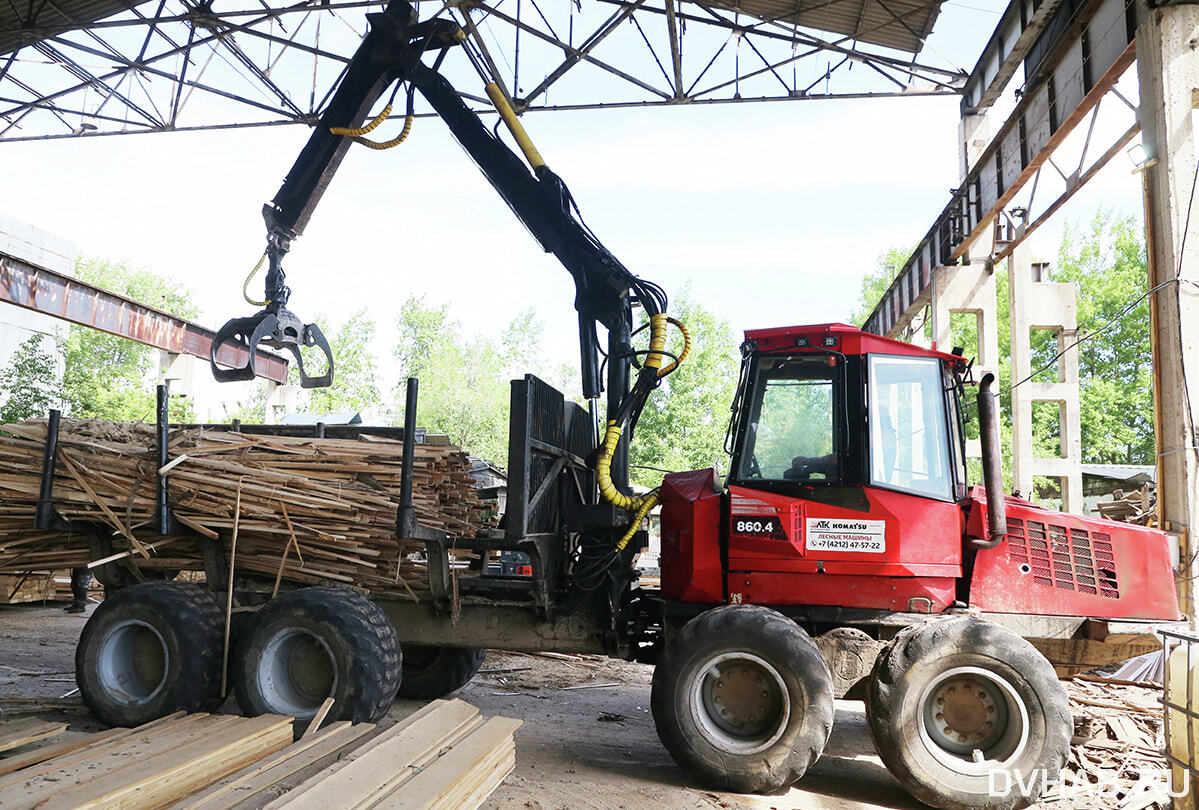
(306, 510)
(445, 755)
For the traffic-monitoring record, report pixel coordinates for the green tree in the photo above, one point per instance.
(105, 376)
(684, 422)
(29, 383)
(1108, 261)
(875, 282)
(355, 374)
(464, 381)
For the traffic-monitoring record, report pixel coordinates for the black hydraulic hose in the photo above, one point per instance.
(988, 423)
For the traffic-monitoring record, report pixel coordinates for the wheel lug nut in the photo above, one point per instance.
(961, 738)
(940, 717)
(940, 701)
(765, 693)
(719, 684)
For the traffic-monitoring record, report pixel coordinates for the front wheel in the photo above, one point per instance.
(743, 698)
(966, 714)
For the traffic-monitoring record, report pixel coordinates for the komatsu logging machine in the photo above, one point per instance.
(845, 553)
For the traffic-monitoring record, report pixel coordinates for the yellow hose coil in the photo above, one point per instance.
(396, 141)
(358, 132)
(686, 348)
(648, 503)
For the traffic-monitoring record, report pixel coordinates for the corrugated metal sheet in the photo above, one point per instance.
(899, 24)
(18, 28)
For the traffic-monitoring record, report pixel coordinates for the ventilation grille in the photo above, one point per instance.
(1060, 557)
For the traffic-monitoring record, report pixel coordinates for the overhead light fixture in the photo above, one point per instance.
(1140, 158)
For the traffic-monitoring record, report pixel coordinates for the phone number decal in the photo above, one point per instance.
(829, 534)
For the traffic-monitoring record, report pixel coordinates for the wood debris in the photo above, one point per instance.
(1116, 758)
(312, 510)
(1138, 506)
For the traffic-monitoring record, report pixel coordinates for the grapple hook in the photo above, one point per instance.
(279, 329)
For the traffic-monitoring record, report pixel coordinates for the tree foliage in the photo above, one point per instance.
(684, 422)
(355, 379)
(29, 383)
(104, 376)
(875, 282)
(464, 379)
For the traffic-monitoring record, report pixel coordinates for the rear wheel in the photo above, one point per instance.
(966, 714)
(434, 672)
(149, 650)
(314, 643)
(743, 699)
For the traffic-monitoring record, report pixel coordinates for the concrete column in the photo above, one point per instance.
(1168, 66)
(971, 289)
(1044, 305)
(280, 400)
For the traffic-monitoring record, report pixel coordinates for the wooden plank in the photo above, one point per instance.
(102, 758)
(243, 788)
(15, 763)
(164, 777)
(15, 733)
(438, 784)
(317, 719)
(349, 783)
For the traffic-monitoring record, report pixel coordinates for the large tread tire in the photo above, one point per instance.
(754, 746)
(313, 643)
(150, 650)
(1024, 749)
(430, 673)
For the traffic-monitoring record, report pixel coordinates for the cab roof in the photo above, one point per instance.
(839, 337)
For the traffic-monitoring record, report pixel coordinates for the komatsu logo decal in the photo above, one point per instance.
(831, 534)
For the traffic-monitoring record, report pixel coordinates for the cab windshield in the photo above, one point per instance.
(791, 429)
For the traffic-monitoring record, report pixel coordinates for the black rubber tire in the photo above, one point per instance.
(347, 643)
(772, 757)
(150, 650)
(906, 677)
(430, 673)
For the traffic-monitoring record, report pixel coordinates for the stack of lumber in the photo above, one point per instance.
(1139, 506)
(37, 586)
(151, 766)
(1116, 759)
(443, 756)
(317, 510)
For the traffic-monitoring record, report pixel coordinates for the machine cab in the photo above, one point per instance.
(848, 459)
(826, 408)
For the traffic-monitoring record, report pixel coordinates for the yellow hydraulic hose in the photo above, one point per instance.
(683, 354)
(358, 132)
(396, 141)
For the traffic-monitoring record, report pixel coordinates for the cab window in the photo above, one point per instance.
(909, 445)
(791, 433)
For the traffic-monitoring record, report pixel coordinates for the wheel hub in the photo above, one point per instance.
(741, 703)
(972, 719)
(965, 711)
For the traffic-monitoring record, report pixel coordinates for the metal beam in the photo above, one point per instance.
(1019, 27)
(1071, 68)
(31, 287)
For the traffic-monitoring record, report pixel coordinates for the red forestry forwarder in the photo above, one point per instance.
(845, 555)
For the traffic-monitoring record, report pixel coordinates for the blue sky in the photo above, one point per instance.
(769, 213)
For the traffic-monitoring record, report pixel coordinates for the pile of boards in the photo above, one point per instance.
(1116, 759)
(41, 586)
(443, 756)
(1138, 506)
(307, 510)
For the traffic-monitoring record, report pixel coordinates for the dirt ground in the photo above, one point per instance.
(591, 747)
